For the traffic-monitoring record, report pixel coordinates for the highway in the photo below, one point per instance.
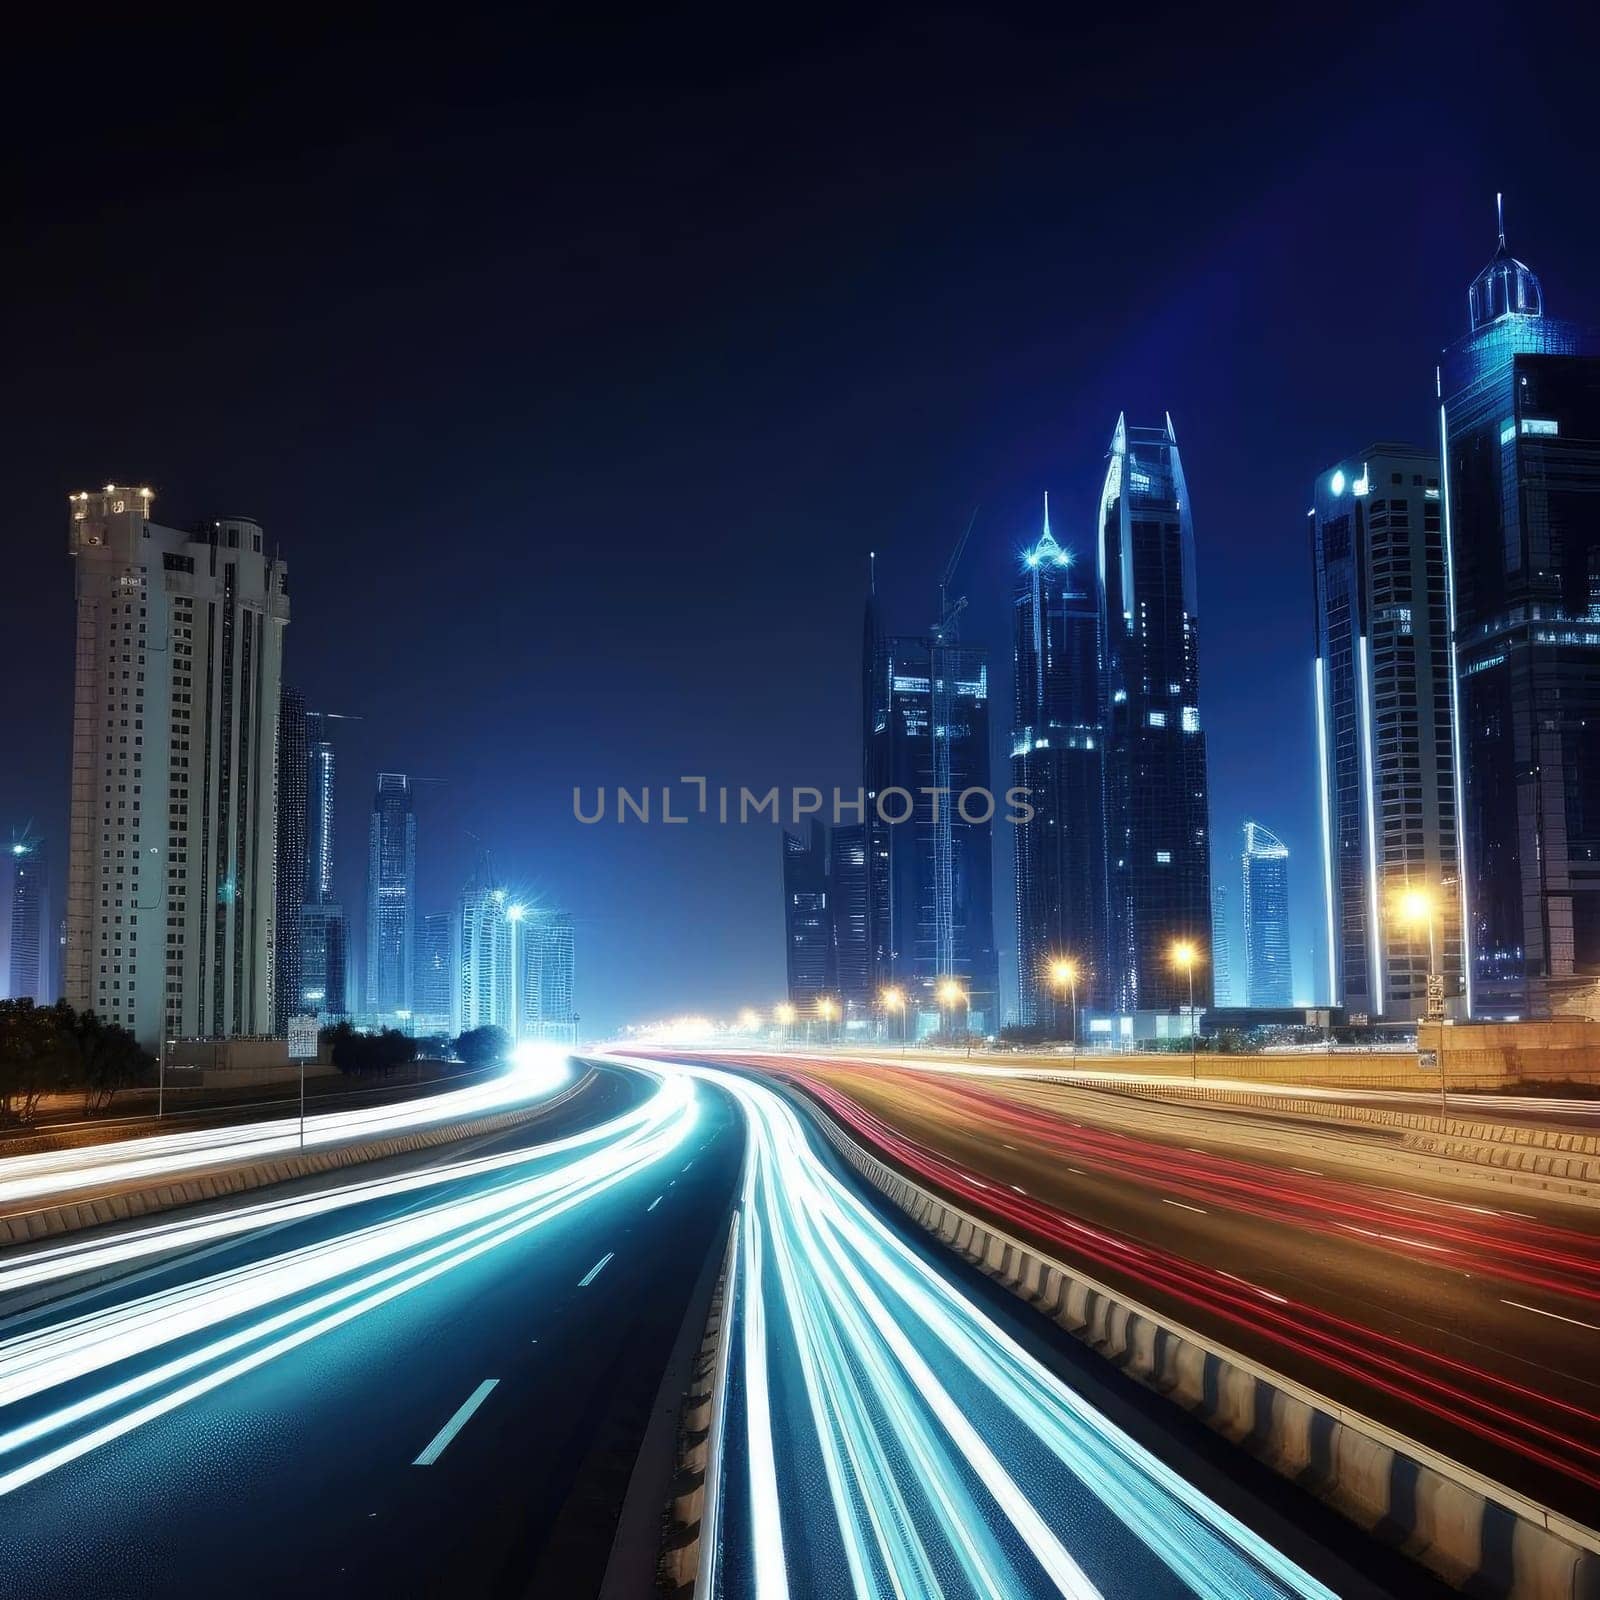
(890, 1430)
(432, 1381)
(1468, 1322)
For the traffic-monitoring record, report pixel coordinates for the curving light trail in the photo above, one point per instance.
(78, 1383)
(888, 1438)
(51, 1172)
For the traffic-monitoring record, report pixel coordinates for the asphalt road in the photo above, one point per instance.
(1468, 1321)
(471, 1434)
(896, 1423)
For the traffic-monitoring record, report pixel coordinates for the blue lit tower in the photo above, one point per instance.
(1265, 871)
(1159, 852)
(30, 943)
(1057, 755)
(1385, 736)
(807, 917)
(929, 861)
(324, 931)
(289, 860)
(1519, 418)
(391, 896)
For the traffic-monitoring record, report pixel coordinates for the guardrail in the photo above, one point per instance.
(1473, 1532)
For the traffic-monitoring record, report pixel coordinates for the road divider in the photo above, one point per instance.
(1475, 1533)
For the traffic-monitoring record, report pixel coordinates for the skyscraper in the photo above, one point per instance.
(1385, 727)
(929, 842)
(848, 901)
(171, 902)
(391, 896)
(482, 956)
(434, 987)
(1221, 947)
(808, 920)
(290, 859)
(1265, 870)
(1519, 418)
(324, 930)
(1057, 755)
(545, 989)
(29, 904)
(1159, 852)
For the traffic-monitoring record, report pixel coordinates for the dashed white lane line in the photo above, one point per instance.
(595, 1271)
(653, 1204)
(1555, 1315)
(1183, 1206)
(1310, 1172)
(454, 1426)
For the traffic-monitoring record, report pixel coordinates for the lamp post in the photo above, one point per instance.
(949, 993)
(895, 1000)
(514, 915)
(1416, 908)
(826, 1009)
(783, 1014)
(1065, 973)
(1184, 956)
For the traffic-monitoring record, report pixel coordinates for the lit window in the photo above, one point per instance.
(1158, 719)
(1508, 432)
(1191, 719)
(1540, 425)
(1164, 858)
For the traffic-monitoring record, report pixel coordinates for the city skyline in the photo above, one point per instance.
(996, 419)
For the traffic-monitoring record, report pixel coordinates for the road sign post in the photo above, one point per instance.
(302, 1033)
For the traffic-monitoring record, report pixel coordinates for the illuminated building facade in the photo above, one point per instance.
(433, 988)
(1158, 832)
(324, 929)
(171, 899)
(1264, 868)
(849, 904)
(391, 897)
(1382, 688)
(290, 861)
(546, 953)
(928, 857)
(1058, 756)
(808, 917)
(482, 957)
(1221, 948)
(1519, 416)
(29, 958)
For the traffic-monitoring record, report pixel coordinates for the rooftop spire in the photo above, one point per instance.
(1500, 216)
(1047, 513)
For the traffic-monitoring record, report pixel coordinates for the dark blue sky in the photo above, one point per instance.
(577, 367)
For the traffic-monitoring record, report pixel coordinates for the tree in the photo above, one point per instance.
(30, 1057)
(362, 1053)
(484, 1047)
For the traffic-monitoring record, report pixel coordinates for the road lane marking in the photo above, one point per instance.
(1309, 1171)
(595, 1271)
(1018, 1187)
(1201, 1209)
(1555, 1314)
(454, 1426)
(653, 1204)
(1079, 1170)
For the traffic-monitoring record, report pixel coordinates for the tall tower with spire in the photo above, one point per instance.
(1159, 844)
(1057, 755)
(1519, 422)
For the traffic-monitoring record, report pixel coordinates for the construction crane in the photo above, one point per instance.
(945, 630)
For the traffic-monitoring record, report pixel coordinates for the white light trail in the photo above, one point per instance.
(268, 1307)
(936, 1451)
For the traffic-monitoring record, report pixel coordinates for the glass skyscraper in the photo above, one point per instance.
(928, 853)
(433, 989)
(1159, 850)
(848, 901)
(1385, 728)
(391, 896)
(808, 918)
(289, 864)
(1519, 417)
(482, 956)
(1265, 870)
(1221, 948)
(30, 943)
(546, 953)
(1058, 756)
(324, 932)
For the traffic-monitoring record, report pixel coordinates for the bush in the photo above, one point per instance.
(484, 1047)
(52, 1049)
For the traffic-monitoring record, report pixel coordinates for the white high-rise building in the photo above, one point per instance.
(482, 958)
(170, 873)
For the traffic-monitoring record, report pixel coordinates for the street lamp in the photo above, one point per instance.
(1415, 908)
(827, 1010)
(895, 1000)
(749, 1019)
(514, 915)
(1184, 955)
(1064, 974)
(783, 1014)
(949, 993)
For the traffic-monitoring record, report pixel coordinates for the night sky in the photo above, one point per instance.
(576, 367)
